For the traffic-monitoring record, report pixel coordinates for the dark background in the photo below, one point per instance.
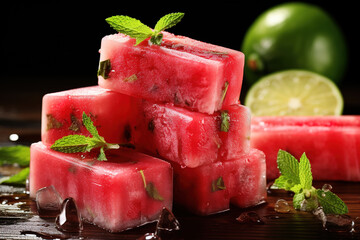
(50, 46)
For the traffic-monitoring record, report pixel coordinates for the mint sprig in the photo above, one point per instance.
(297, 177)
(80, 143)
(136, 29)
(19, 155)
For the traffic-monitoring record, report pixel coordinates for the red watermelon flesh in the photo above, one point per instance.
(110, 194)
(332, 144)
(211, 188)
(192, 139)
(182, 71)
(62, 114)
(173, 133)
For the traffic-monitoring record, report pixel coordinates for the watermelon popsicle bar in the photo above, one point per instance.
(192, 139)
(128, 190)
(186, 72)
(62, 114)
(331, 143)
(173, 133)
(211, 188)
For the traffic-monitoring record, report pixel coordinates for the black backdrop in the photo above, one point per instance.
(53, 45)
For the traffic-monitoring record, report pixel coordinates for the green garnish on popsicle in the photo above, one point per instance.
(297, 177)
(136, 29)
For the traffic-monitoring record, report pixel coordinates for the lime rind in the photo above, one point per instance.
(294, 92)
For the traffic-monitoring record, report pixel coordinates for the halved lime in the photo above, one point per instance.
(294, 93)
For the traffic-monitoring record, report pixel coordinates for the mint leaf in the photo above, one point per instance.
(104, 68)
(224, 91)
(288, 167)
(225, 121)
(305, 174)
(282, 182)
(298, 188)
(18, 154)
(72, 144)
(153, 192)
(102, 156)
(297, 177)
(297, 200)
(331, 203)
(130, 26)
(168, 21)
(17, 179)
(81, 143)
(89, 125)
(218, 184)
(150, 188)
(136, 29)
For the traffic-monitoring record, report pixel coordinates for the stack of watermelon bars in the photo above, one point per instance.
(178, 105)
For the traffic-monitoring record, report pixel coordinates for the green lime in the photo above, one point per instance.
(294, 36)
(294, 92)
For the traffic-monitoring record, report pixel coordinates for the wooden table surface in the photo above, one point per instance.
(19, 220)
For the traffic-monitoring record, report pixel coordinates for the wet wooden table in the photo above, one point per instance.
(19, 220)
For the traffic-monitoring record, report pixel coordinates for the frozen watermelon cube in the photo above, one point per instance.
(331, 143)
(211, 188)
(62, 114)
(192, 139)
(173, 133)
(182, 71)
(128, 190)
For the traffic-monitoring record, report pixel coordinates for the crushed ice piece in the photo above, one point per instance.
(339, 223)
(167, 221)
(308, 205)
(69, 219)
(282, 206)
(249, 217)
(319, 213)
(326, 187)
(48, 202)
(167, 225)
(149, 236)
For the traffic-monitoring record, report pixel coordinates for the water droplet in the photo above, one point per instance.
(27, 186)
(149, 236)
(326, 187)
(69, 219)
(249, 217)
(323, 194)
(282, 206)
(339, 223)
(48, 202)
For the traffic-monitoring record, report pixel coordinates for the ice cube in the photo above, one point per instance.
(149, 236)
(69, 219)
(319, 213)
(48, 202)
(249, 217)
(167, 221)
